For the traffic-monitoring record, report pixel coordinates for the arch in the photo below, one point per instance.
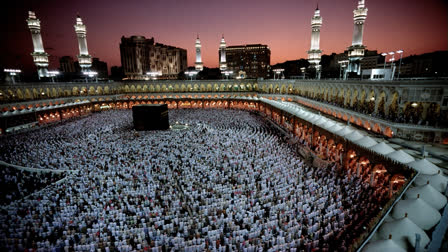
(91, 90)
(99, 90)
(19, 93)
(27, 94)
(283, 89)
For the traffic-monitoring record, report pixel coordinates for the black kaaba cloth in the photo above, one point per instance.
(150, 117)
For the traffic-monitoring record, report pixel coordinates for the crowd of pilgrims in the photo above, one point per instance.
(229, 182)
(16, 184)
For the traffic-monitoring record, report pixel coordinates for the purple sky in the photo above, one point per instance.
(284, 25)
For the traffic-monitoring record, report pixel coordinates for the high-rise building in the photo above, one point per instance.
(198, 64)
(356, 50)
(40, 57)
(253, 59)
(168, 60)
(314, 53)
(67, 64)
(140, 55)
(85, 60)
(222, 54)
(134, 52)
(100, 67)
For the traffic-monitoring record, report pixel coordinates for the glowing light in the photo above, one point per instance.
(90, 73)
(414, 104)
(12, 70)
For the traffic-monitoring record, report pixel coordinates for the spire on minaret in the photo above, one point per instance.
(40, 57)
(198, 64)
(85, 60)
(314, 54)
(357, 49)
(222, 54)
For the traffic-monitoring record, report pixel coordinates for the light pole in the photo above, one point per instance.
(399, 66)
(278, 72)
(154, 75)
(191, 74)
(392, 65)
(91, 74)
(384, 68)
(342, 65)
(12, 73)
(303, 71)
(227, 73)
(52, 74)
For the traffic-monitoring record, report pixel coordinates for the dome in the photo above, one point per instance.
(401, 156)
(438, 181)
(424, 167)
(418, 211)
(427, 193)
(366, 142)
(403, 232)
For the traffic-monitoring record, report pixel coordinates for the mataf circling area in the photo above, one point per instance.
(230, 181)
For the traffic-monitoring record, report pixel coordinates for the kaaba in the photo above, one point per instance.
(150, 117)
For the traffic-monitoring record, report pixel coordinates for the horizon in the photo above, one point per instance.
(284, 27)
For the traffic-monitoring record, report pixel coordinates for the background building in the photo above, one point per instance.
(67, 65)
(100, 67)
(253, 59)
(140, 55)
(134, 52)
(168, 60)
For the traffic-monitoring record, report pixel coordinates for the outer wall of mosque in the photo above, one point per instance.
(421, 106)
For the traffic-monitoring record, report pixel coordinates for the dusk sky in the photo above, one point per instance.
(415, 26)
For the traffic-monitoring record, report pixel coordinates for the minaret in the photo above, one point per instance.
(198, 64)
(356, 50)
(315, 52)
(222, 54)
(40, 57)
(85, 60)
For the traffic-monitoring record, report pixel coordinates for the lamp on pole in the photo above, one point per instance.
(12, 73)
(399, 66)
(278, 72)
(191, 74)
(392, 65)
(385, 56)
(342, 65)
(91, 74)
(227, 73)
(303, 71)
(154, 75)
(52, 74)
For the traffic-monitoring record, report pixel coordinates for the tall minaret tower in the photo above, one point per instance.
(222, 54)
(198, 64)
(314, 52)
(40, 57)
(356, 50)
(85, 60)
